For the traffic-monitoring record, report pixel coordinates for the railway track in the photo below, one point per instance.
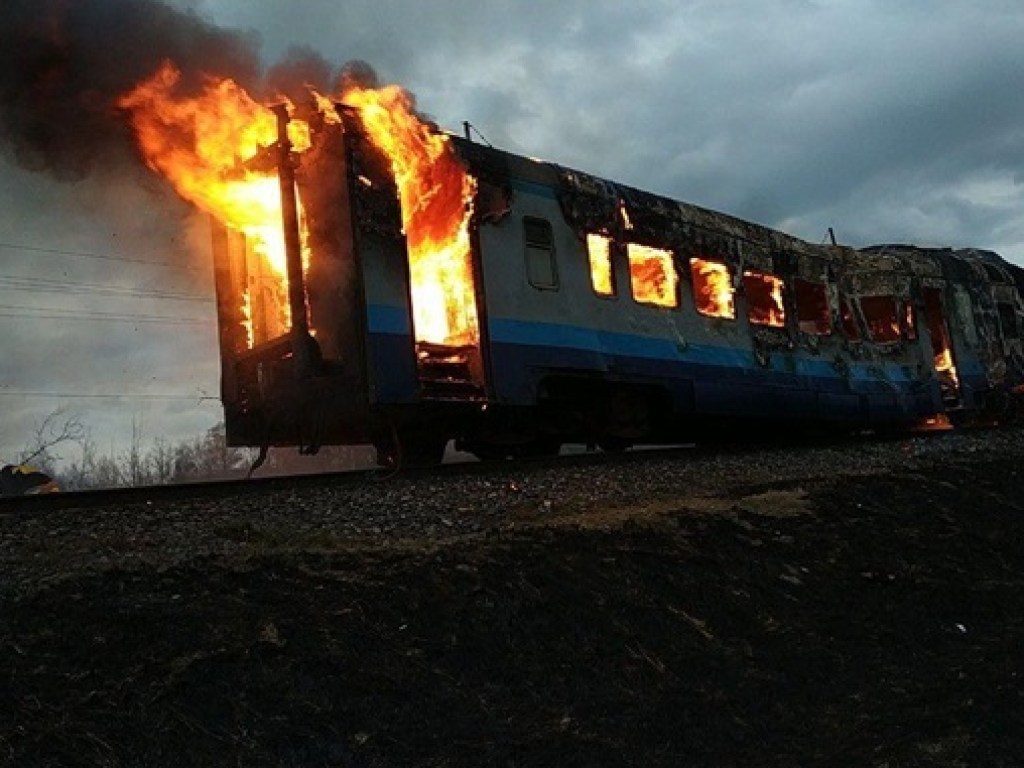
(259, 485)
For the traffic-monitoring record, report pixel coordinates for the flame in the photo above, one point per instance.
(712, 288)
(911, 320)
(943, 362)
(938, 423)
(199, 143)
(436, 193)
(653, 275)
(764, 299)
(599, 252)
(250, 331)
(627, 223)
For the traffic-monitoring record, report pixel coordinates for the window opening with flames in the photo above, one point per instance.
(712, 288)
(764, 299)
(653, 276)
(599, 253)
(213, 147)
(882, 317)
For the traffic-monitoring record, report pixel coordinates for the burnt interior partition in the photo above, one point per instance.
(292, 359)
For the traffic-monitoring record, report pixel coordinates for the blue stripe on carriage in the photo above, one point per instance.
(384, 318)
(520, 348)
(621, 345)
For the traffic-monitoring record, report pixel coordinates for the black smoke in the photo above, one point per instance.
(64, 63)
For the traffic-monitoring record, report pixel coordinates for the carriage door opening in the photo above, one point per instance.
(436, 193)
(942, 348)
(446, 323)
(437, 216)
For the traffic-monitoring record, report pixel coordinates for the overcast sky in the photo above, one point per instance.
(890, 122)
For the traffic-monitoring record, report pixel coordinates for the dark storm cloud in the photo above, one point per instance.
(882, 120)
(64, 63)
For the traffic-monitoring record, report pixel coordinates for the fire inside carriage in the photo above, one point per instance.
(379, 281)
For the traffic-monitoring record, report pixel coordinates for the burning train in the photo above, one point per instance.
(381, 282)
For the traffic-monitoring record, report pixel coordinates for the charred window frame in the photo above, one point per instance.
(602, 272)
(541, 269)
(713, 292)
(653, 277)
(909, 320)
(813, 313)
(847, 321)
(765, 304)
(963, 308)
(881, 313)
(1008, 320)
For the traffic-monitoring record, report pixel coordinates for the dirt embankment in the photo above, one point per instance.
(870, 619)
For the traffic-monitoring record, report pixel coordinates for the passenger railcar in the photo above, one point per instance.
(601, 315)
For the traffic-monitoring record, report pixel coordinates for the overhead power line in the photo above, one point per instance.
(105, 396)
(42, 285)
(98, 256)
(53, 313)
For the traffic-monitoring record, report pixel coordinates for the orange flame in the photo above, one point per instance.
(599, 254)
(653, 275)
(943, 363)
(198, 142)
(712, 288)
(764, 299)
(436, 194)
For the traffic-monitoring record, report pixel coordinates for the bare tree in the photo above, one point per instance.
(92, 470)
(161, 461)
(135, 462)
(59, 427)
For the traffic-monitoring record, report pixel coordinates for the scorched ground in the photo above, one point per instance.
(859, 605)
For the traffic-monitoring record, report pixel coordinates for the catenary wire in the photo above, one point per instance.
(42, 285)
(98, 256)
(52, 313)
(106, 396)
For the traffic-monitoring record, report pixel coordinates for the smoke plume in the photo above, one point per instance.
(63, 64)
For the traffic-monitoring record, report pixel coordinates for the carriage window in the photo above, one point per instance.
(1008, 320)
(599, 251)
(653, 276)
(848, 321)
(812, 311)
(764, 299)
(540, 254)
(712, 289)
(882, 317)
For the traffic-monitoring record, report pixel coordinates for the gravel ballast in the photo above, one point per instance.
(853, 604)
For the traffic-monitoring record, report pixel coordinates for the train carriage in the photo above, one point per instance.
(580, 310)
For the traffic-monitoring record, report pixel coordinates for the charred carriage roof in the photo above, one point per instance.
(592, 204)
